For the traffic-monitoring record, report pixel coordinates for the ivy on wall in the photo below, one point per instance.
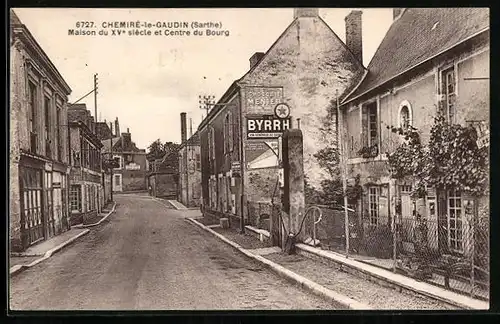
(451, 159)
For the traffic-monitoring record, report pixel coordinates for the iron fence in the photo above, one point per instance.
(450, 252)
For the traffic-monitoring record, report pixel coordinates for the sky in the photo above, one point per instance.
(147, 81)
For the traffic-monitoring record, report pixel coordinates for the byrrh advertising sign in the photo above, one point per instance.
(266, 126)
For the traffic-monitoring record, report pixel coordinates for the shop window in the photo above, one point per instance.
(75, 198)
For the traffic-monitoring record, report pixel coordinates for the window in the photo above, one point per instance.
(373, 194)
(228, 133)
(211, 143)
(118, 180)
(198, 162)
(75, 198)
(455, 226)
(118, 161)
(449, 92)
(32, 123)
(58, 131)
(46, 107)
(405, 115)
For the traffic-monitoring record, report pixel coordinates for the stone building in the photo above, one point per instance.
(306, 67)
(130, 175)
(86, 194)
(189, 167)
(39, 164)
(430, 59)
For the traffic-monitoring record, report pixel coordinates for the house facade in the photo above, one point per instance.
(86, 177)
(130, 175)
(240, 137)
(39, 164)
(431, 61)
(189, 192)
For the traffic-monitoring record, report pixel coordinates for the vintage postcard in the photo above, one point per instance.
(249, 159)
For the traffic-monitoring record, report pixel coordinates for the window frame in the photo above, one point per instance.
(75, 189)
(373, 206)
(455, 244)
(405, 104)
(444, 87)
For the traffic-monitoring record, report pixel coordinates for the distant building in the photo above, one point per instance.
(130, 175)
(189, 168)
(39, 163)
(86, 178)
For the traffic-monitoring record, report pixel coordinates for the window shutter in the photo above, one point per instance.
(231, 143)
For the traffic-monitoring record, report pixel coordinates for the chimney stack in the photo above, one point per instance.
(128, 130)
(256, 57)
(183, 128)
(353, 34)
(396, 12)
(117, 127)
(305, 12)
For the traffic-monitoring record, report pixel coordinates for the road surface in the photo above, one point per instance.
(147, 257)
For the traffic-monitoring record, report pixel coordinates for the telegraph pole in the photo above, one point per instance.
(206, 101)
(95, 97)
(110, 159)
(340, 144)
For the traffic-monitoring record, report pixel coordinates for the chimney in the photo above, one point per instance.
(128, 132)
(117, 127)
(396, 12)
(126, 141)
(305, 12)
(353, 34)
(256, 57)
(183, 128)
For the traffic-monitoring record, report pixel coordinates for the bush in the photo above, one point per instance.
(379, 242)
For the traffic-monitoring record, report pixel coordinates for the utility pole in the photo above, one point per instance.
(95, 97)
(340, 144)
(110, 159)
(206, 101)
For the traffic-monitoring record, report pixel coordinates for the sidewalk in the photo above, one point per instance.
(98, 219)
(335, 277)
(44, 250)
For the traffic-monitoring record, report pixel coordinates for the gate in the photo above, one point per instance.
(32, 205)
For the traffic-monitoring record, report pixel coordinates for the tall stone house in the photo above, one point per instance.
(130, 175)
(39, 164)
(189, 192)
(302, 69)
(430, 59)
(86, 193)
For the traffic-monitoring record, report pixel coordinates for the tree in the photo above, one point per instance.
(331, 191)
(155, 150)
(451, 159)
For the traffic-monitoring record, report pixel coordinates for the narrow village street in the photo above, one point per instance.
(147, 257)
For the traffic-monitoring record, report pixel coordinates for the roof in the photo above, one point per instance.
(418, 35)
(106, 144)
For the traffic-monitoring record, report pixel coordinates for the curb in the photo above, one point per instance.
(21, 267)
(302, 282)
(350, 263)
(99, 222)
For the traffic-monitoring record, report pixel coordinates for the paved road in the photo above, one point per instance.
(147, 257)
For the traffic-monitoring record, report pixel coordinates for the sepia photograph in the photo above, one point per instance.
(235, 159)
